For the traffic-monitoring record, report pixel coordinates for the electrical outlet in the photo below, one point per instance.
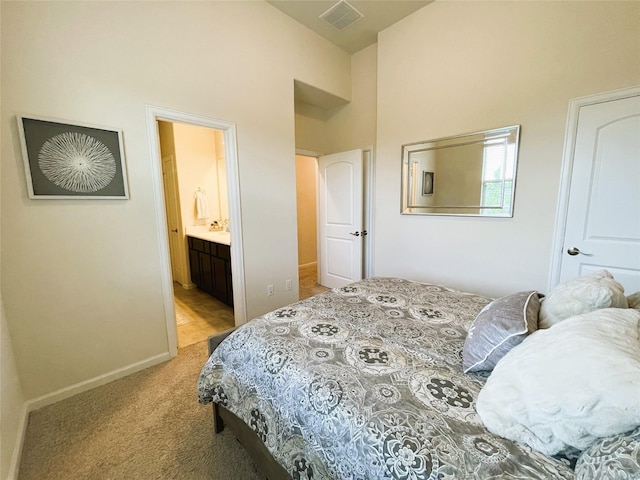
(287, 285)
(270, 290)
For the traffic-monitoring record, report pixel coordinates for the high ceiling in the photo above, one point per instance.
(377, 15)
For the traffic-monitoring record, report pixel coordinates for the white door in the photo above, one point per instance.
(340, 218)
(170, 184)
(603, 206)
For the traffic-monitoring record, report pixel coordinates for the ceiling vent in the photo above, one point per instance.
(341, 15)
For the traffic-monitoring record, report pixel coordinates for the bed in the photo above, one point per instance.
(364, 382)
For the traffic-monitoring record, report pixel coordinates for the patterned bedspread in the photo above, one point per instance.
(366, 382)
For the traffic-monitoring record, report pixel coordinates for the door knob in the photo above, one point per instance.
(355, 234)
(176, 230)
(575, 251)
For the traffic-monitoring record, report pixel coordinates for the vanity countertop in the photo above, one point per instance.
(203, 233)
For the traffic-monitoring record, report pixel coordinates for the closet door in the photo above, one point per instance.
(602, 228)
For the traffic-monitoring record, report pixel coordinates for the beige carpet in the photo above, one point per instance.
(148, 425)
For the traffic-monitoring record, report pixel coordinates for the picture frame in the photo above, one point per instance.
(72, 160)
(427, 183)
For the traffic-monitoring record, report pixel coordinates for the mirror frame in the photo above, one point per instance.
(511, 136)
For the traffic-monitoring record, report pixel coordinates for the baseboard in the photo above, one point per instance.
(63, 393)
(310, 264)
(17, 451)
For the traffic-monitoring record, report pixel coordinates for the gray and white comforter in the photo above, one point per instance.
(366, 382)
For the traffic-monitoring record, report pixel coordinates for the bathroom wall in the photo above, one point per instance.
(197, 167)
(223, 192)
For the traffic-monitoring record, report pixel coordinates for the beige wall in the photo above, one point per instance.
(306, 180)
(354, 125)
(347, 127)
(81, 280)
(12, 403)
(459, 176)
(311, 128)
(459, 67)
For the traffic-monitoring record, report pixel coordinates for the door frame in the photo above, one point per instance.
(575, 105)
(155, 114)
(368, 164)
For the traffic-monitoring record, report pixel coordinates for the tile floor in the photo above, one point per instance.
(200, 315)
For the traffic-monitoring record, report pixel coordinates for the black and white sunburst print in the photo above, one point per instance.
(77, 162)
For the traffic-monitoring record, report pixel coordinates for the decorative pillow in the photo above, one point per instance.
(499, 327)
(634, 300)
(568, 385)
(612, 458)
(581, 295)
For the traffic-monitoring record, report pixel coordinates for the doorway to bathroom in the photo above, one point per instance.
(195, 191)
(176, 208)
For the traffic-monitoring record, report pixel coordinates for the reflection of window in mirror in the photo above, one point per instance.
(497, 177)
(427, 183)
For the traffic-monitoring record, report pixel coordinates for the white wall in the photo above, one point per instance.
(81, 279)
(459, 67)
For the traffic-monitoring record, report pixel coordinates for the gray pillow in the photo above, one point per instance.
(611, 458)
(499, 327)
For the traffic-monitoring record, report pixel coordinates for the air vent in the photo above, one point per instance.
(341, 15)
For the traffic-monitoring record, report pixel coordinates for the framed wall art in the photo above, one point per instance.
(69, 160)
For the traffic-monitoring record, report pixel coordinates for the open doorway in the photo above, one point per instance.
(314, 243)
(306, 195)
(234, 252)
(195, 192)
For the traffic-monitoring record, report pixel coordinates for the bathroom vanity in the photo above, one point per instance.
(210, 263)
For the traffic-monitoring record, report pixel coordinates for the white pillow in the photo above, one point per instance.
(568, 385)
(581, 295)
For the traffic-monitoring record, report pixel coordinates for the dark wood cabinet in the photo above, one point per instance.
(210, 264)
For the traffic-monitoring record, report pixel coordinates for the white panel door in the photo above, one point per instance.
(603, 210)
(340, 218)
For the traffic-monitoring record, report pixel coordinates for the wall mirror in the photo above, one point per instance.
(471, 174)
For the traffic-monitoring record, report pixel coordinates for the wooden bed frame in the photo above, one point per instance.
(256, 449)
